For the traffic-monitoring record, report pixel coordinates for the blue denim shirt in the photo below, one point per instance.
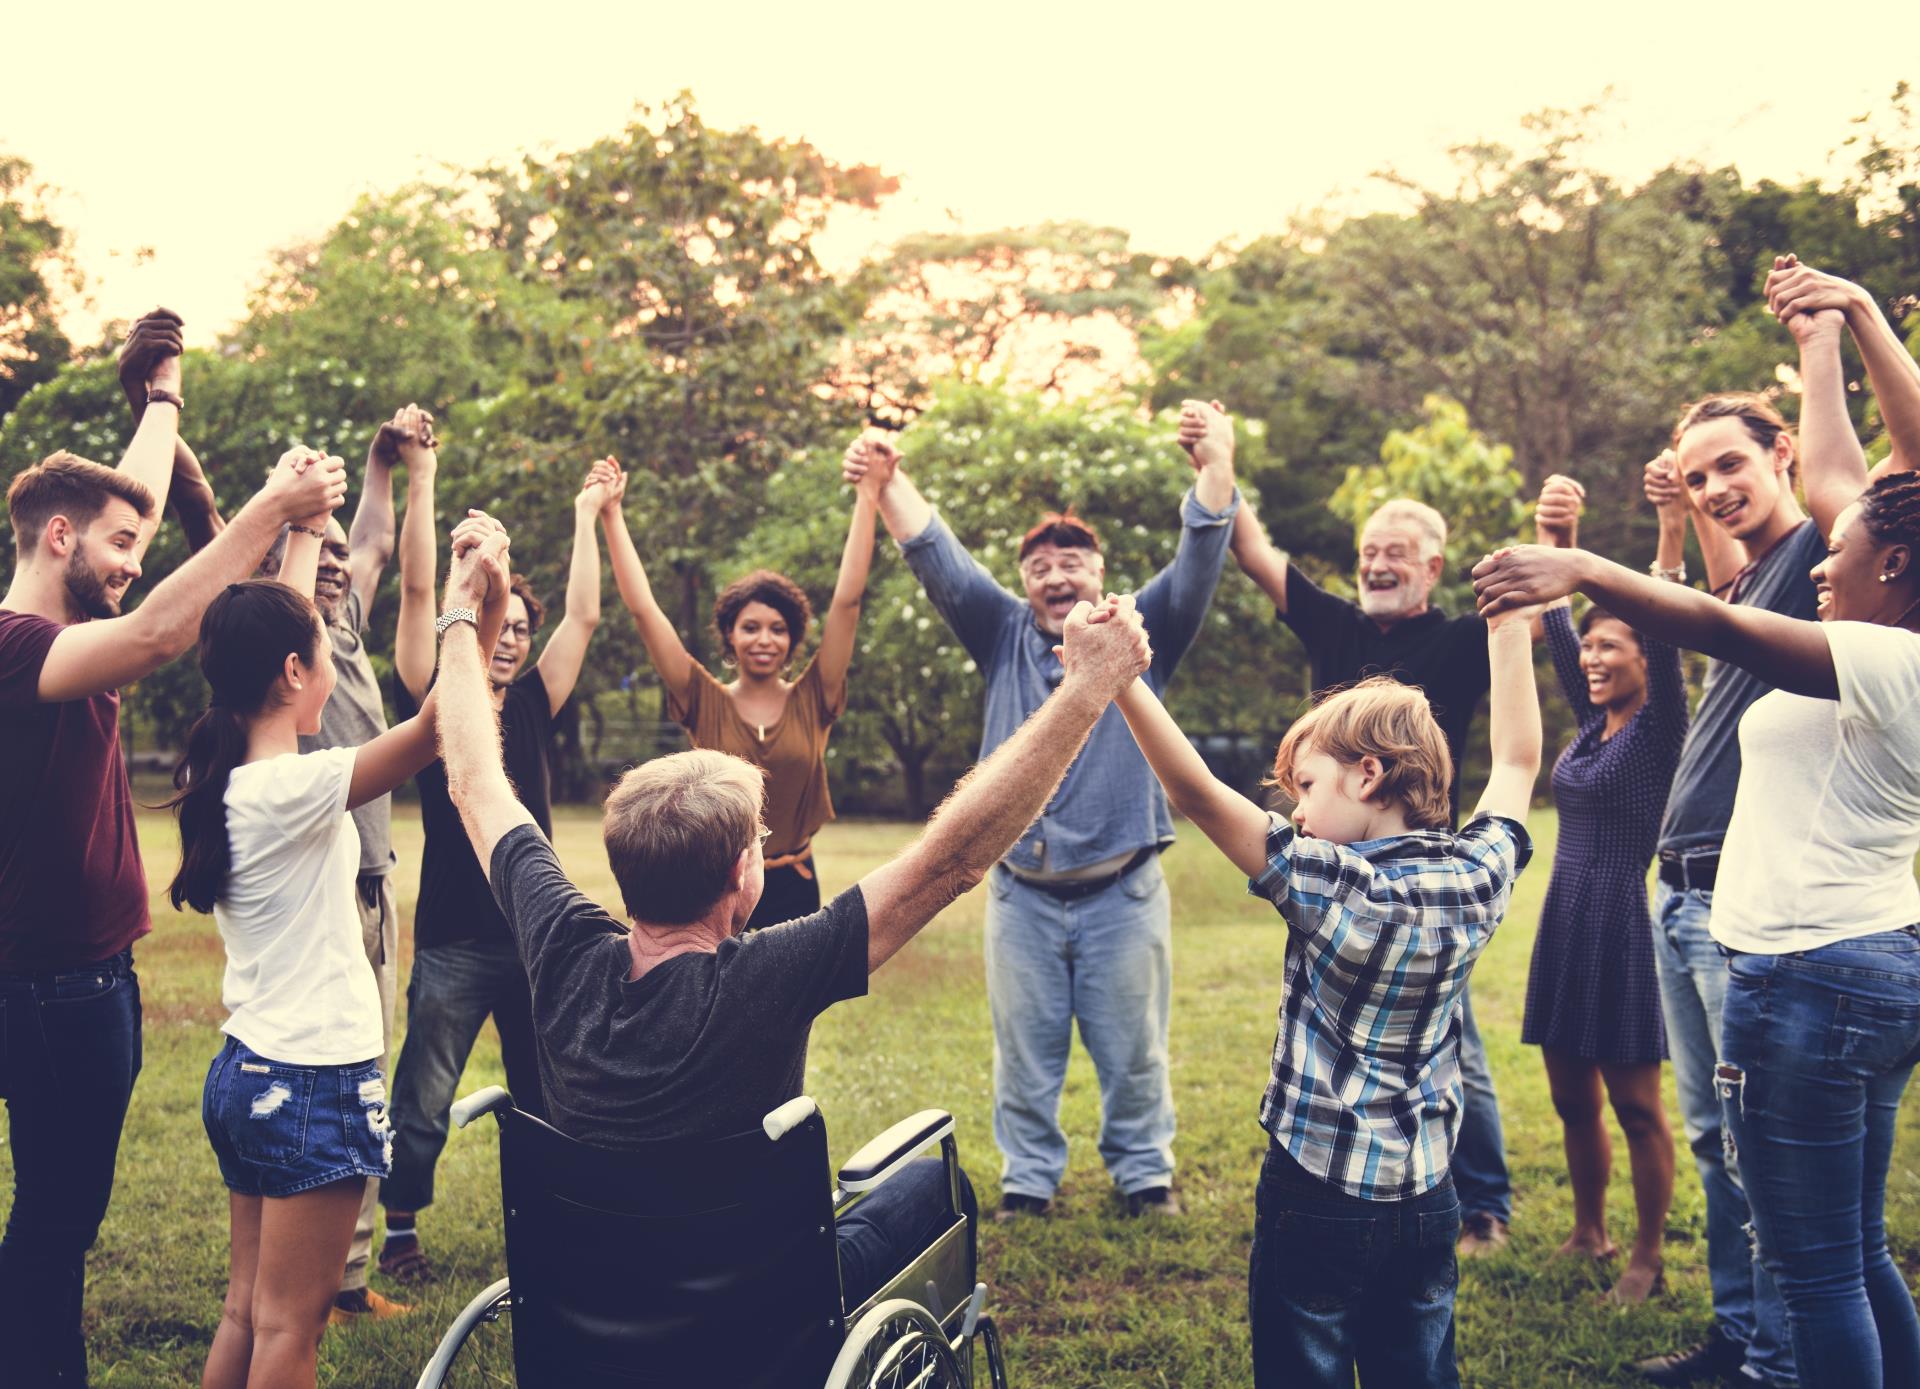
(1110, 802)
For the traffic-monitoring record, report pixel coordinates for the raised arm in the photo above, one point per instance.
(372, 536)
(664, 647)
(850, 587)
(903, 510)
(566, 650)
(1259, 558)
(1720, 553)
(413, 641)
(1833, 468)
(1173, 603)
(1513, 716)
(1237, 827)
(90, 658)
(149, 366)
(300, 564)
(1789, 654)
(468, 728)
(1794, 289)
(384, 762)
(994, 803)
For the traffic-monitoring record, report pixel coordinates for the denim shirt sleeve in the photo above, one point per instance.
(1174, 602)
(961, 590)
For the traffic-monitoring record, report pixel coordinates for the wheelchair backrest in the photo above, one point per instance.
(683, 1264)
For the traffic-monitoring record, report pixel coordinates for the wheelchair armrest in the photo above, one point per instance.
(778, 1123)
(892, 1150)
(471, 1107)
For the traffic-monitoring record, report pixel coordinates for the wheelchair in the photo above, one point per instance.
(713, 1265)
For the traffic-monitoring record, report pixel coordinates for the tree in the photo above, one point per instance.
(34, 267)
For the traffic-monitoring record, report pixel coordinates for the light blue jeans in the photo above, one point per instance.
(1693, 991)
(1106, 960)
(1480, 1151)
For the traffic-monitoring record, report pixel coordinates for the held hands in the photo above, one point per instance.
(1664, 489)
(150, 356)
(480, 573)
(600, 494)
(406, 439)
(1556, 517)
(1518, 581)
(1206, 433)
(1105, 645)
(870, 462)
(306, 486)
(1795, 292)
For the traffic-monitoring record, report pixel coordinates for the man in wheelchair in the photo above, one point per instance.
(675, 1025)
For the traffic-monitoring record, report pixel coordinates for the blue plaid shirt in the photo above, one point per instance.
(1381, 936)
(1110, 803)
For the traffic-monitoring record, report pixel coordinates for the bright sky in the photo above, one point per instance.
(212, 133)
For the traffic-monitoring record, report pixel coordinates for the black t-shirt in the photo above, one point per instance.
(1446, 657)
(701, 1046)
(455, 904)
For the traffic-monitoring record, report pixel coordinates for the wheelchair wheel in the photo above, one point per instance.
(987, 1336)
(477, 1350)
(896, 1345)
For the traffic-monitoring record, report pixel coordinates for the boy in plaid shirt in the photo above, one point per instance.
(1386, 911)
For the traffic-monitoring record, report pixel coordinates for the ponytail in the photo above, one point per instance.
(246, 635)
(215, 746)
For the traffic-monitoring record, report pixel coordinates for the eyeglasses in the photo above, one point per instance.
(519, 631)
(764, 836)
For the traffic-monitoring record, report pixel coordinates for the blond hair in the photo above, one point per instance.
(674, 828)
(1383, 719)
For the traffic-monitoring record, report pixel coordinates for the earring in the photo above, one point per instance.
(1885, 577)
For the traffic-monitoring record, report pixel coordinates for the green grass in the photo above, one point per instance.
(1087, 1298)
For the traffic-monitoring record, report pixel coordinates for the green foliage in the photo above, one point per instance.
(1450, 466)
(33, 263)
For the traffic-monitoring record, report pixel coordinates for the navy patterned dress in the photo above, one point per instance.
(1592, 991)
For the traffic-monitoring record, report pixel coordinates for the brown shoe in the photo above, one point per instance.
(1154, 1201)
(364, 1304)
(405, 1262)
(1481, 1233)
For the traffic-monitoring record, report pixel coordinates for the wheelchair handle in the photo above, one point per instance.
(471, 1107)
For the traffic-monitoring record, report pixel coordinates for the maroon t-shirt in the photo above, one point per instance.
(72, 890)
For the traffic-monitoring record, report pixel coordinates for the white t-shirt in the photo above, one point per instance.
(1827, 819)
(298, 987)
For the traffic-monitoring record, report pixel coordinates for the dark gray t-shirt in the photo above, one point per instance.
(704, 1044)
(354, 716)
(1701, 802)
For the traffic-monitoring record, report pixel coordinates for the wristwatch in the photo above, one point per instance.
(172, 398)
(453, 615)
(1677, 574)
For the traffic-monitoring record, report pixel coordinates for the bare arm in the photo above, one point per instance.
(1258, 557)
(370, 540)
(849, 592)
(566, 649)
(467, 725)
(1833, 469)
(994, 803)
(1786, 653)
(413, 641)
(903, 511)
(1237, 827)
(90, 658)
(1795, 289)
(1513, 725)
(664, 647)
(194, 504)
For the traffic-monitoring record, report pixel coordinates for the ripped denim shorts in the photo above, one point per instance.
(279, 1129)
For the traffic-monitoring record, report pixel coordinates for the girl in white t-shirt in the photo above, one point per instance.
(294, 1104)
(1816, 905)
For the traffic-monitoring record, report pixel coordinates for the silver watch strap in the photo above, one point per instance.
(453, 615)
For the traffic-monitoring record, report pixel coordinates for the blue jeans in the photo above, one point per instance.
(1480, 1149)
(895, 1223)
(1816, 1050)
(1336, 1282)
(69, 1054)
(452, 990)
(1106, 960)
(1693, 989)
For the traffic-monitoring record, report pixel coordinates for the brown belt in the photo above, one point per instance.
(797, 861)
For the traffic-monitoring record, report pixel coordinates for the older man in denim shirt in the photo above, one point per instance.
(1078, 921)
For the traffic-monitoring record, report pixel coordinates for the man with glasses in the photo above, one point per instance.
(1077, 918)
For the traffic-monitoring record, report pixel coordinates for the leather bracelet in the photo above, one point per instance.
(317, 534)
(172, 398)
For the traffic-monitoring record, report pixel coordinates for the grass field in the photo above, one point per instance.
(1087, 1298)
